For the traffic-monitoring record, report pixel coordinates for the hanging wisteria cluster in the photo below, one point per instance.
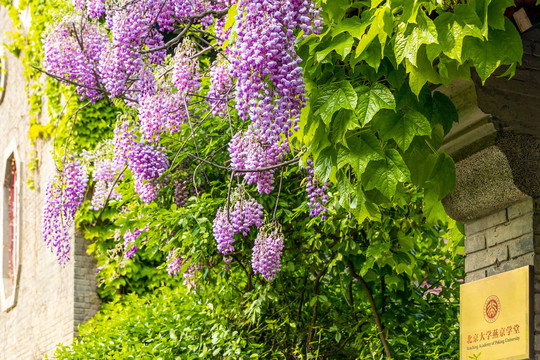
(104, 177)
(130, 238)
(175, 261)
(266, 258)
(238, 218)
(317, 196)
(270, 88)
(147, 53)
(64, 195)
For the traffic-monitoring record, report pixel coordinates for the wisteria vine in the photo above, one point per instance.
(147, 53)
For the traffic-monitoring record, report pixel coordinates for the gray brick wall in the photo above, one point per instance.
(500, 242)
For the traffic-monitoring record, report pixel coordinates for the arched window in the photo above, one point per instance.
(9, 268)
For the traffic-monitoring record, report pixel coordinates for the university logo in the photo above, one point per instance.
(492, 308)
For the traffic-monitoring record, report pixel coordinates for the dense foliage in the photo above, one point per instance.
(280, 157)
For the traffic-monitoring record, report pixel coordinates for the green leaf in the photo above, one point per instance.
(443, 176)
(364, 208)
(371, 100)
(335, 10)
(231, 18)
(450, 35)
(411, 37)
(325, 163)
(410, 11)
(320, 140)
(433, 208)
(422, 73)
(402, 129)
(444, 112)
(377, 249)
(400, 169)
(361, 150)
(344, 121)
(333, 97)
(420, 164)
(342, 44)
(371, 55)
(353, 25)
(496, 11)
(384, 175)
(379, 175)
(503, 47)
(366, 40)
(406, 242)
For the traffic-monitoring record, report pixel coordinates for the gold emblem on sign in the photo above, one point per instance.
(492, 308)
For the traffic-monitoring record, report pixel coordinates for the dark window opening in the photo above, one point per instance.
(9, 252)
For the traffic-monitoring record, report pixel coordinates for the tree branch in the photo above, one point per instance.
(373, 308)
(266, 168)
(192, 18)
(311, 330)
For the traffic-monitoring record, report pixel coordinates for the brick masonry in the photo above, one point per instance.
(51, 300)
(500, 242)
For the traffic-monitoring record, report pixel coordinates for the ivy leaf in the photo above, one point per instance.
(377, 249)
(422, 73)
(373, 99)
(320, 140)
(503, 47)
(482, 9)
(402, 129)
(366, 39)
(333, 97)
(420, 170)
(496, 11)
(343, 122)
(361, 150)
(410, 11)
(443, 176)
(335, 10)
(444, 111)
(365, 208)
(325, 163)
(372, 55)
(450, 37)
(379, 175)
(384, 175)
(411, 37)
(342, 44)
(433, 208)
(400, 169)
(468, 19)
(353, 25)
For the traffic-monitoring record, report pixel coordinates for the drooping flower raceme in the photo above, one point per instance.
(175, 261)
(185, 76)
(72, 51)
(238, 219)
(105, 177)
(130, 237)
(220, 86)
(266, 256)
(159, 113)
(147, 164)
(270, 90)
(317, 196)
(63, 197)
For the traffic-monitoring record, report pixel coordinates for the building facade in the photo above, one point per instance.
(41, 302)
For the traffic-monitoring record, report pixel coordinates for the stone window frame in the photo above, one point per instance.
(9, 301)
